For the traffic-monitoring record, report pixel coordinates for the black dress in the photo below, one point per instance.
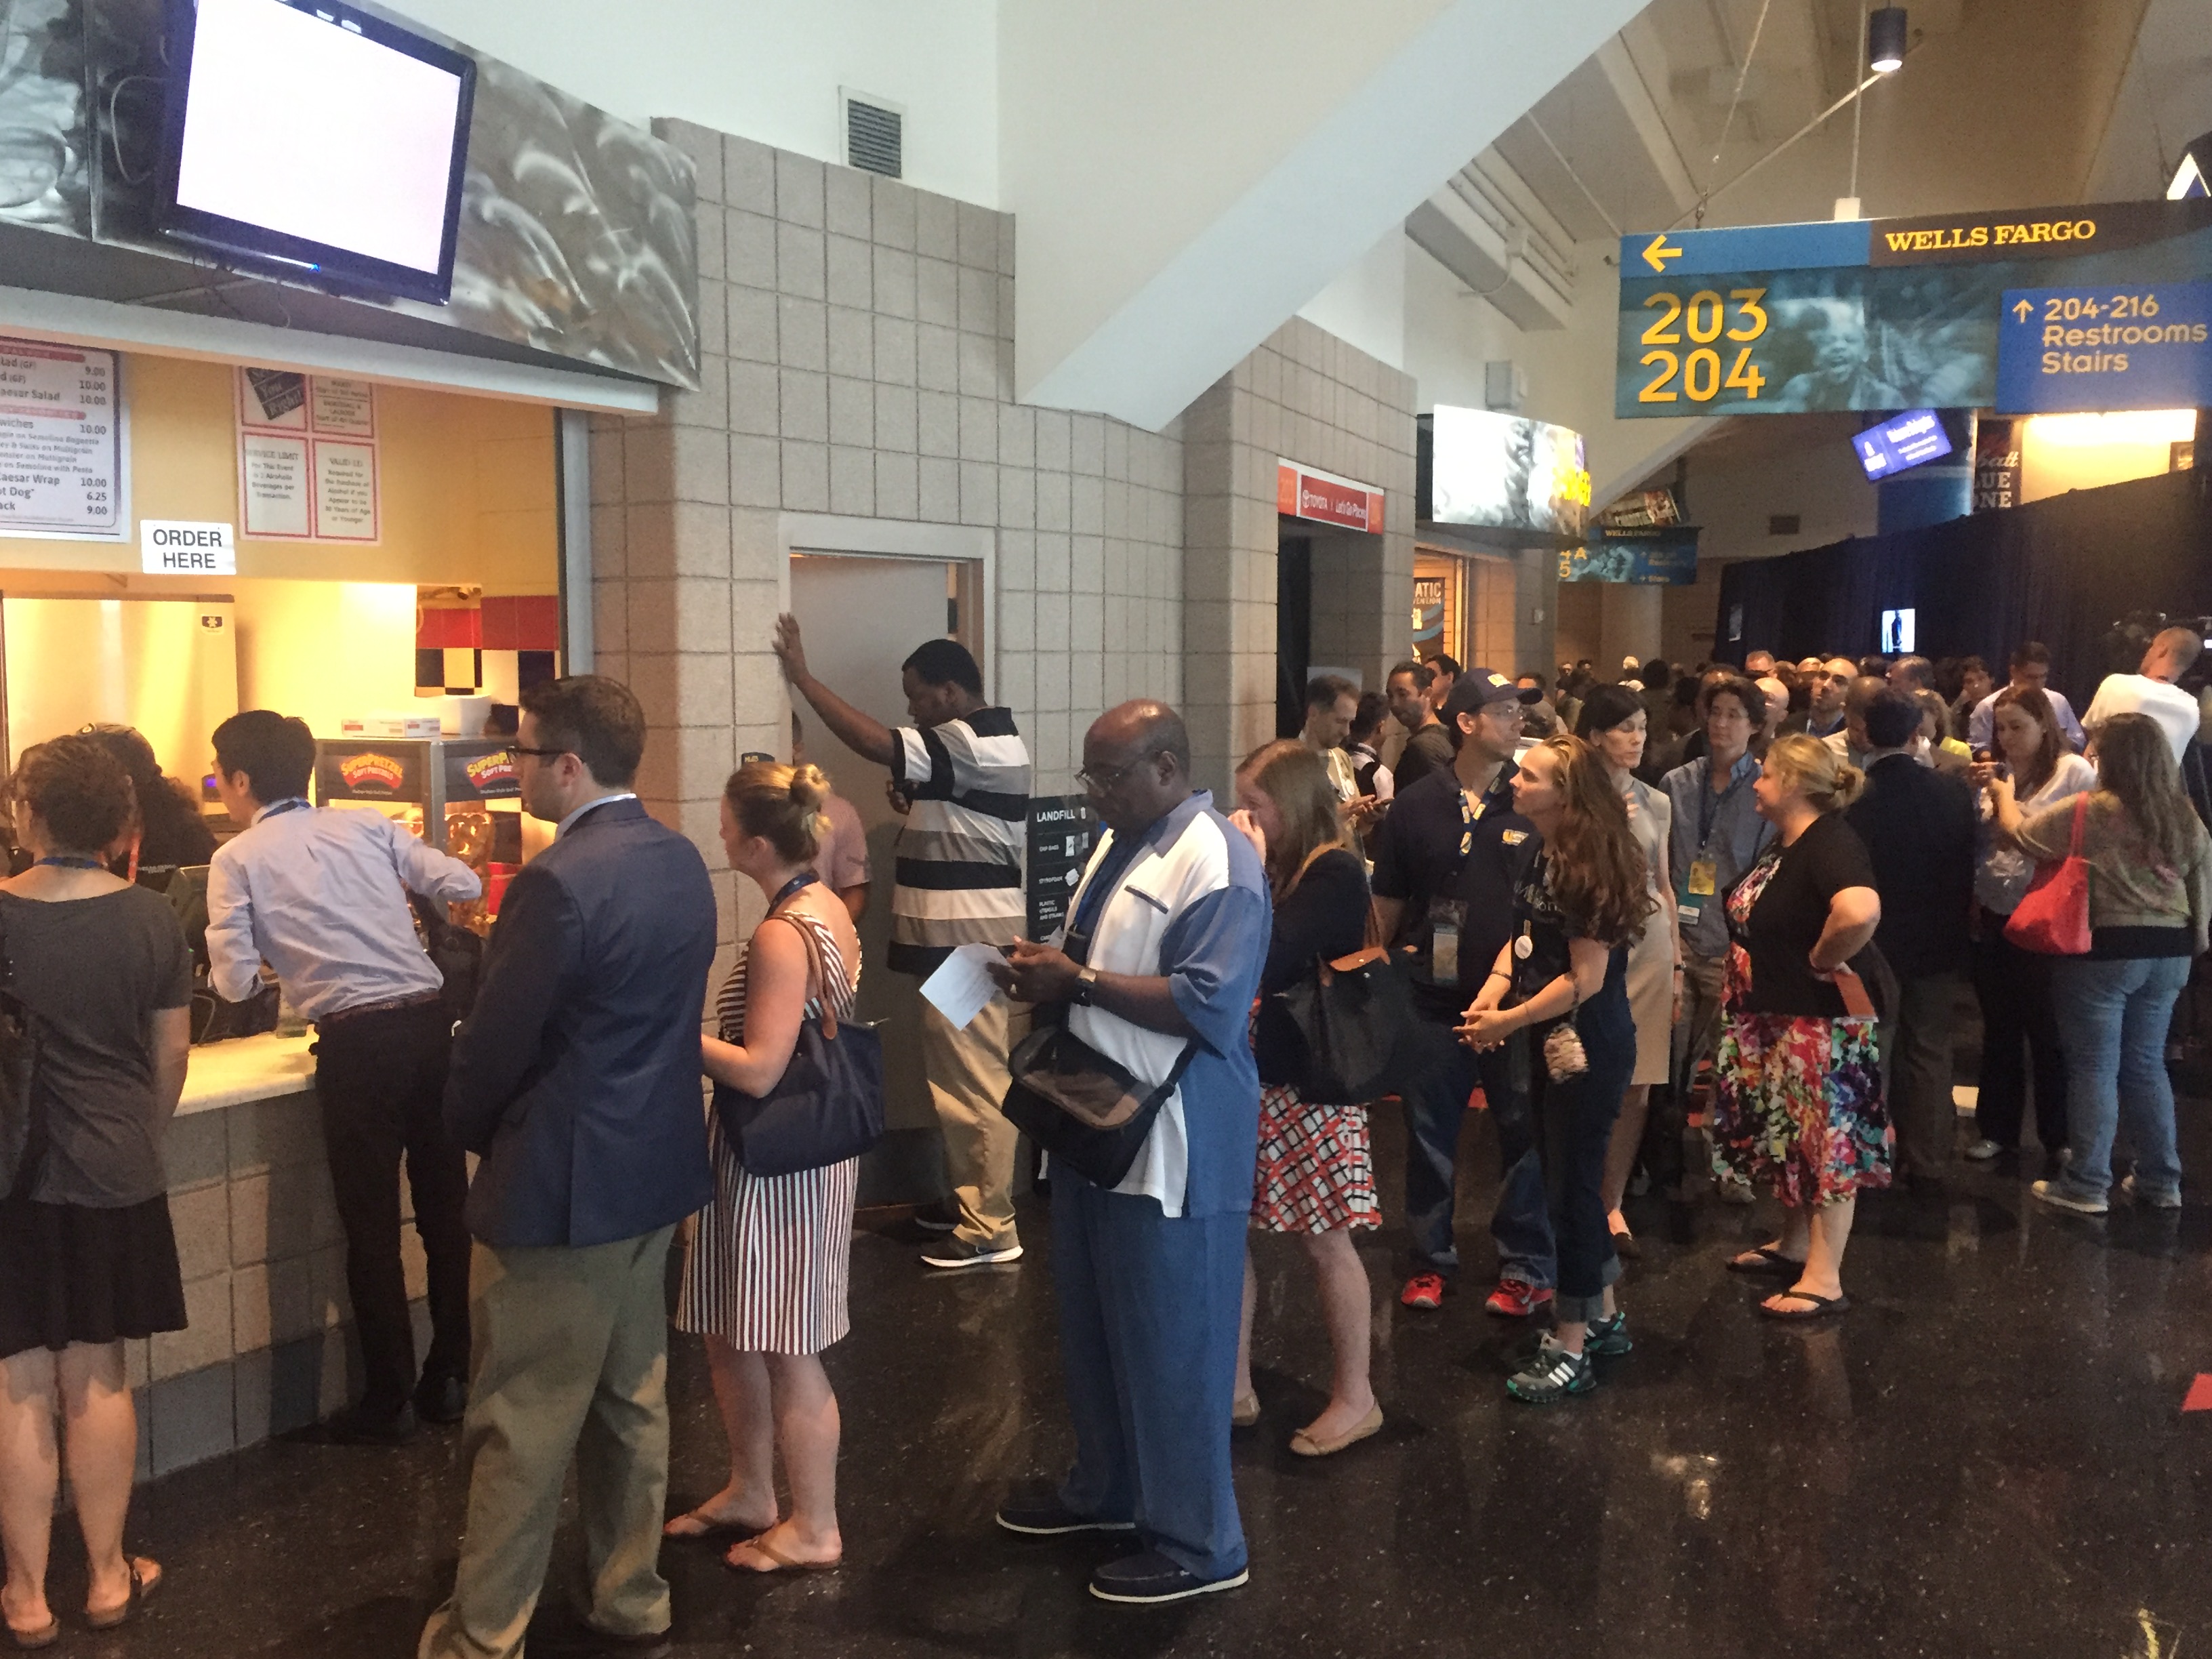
(88, 1254)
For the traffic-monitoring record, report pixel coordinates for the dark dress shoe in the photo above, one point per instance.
(364, 1424)
(1151, 1579)
(441, 1400)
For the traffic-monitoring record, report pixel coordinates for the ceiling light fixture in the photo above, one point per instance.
(1886, 40)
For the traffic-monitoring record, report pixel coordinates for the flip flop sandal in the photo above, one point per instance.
(30, 1640)
(142, 1591)
(1823, 1307)
(1769, 1261)
(709, 1529)
(783, 1562)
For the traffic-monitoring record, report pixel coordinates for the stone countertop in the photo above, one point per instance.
(246, 1068)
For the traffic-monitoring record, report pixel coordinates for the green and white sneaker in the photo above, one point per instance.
(1608, 1338)
(1552, 1375)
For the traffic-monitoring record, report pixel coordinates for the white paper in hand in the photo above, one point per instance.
(962, 984)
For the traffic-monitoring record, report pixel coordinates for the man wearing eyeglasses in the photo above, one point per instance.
(1156, 970)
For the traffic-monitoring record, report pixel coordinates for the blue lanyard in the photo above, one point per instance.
(1708, 804)
(290, 804)
(73, 861)
(797, 883)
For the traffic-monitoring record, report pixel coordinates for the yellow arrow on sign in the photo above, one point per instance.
(1658, 253)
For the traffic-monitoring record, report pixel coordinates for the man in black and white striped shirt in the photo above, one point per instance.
(963, 772)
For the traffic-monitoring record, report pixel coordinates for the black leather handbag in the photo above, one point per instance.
(22, 1126)
(827, 1106)
(1086, 1110)
(1335, 1036)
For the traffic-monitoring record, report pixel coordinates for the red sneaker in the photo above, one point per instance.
(1423, 1290)
(1515, 1300)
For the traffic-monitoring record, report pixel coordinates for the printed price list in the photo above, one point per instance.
(61, 442)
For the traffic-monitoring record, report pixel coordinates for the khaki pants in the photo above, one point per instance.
(968, 1081)
(571, 1358)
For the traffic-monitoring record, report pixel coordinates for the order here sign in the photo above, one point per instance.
(176, 547)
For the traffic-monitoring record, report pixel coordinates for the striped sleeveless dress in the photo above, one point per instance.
(770, 1257)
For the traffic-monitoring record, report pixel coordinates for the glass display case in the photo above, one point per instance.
(460, 794)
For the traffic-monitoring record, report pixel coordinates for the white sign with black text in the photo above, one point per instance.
(62, 457)
(175, 547)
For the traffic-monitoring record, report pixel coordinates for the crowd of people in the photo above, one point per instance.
(1757, 895)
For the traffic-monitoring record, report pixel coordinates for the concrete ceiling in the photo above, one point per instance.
(2002, 103)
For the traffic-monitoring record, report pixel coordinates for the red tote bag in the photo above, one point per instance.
(2053, 919)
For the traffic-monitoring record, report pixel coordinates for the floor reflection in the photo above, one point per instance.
(1985, 1457)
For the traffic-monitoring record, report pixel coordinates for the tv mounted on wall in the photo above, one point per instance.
(316, 140)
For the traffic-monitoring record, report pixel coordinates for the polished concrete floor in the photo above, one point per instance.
(1987, 1457)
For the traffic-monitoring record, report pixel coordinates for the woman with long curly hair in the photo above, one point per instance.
(1798, 1100)
(1561, 987)
(2150, 889)
(1314, 1177)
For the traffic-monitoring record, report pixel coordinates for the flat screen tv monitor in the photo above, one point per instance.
(316, 140)
(1909, 440)
(1897, 631)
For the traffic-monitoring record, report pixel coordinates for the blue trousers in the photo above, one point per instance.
(1445, 1074)
(1148, 1317)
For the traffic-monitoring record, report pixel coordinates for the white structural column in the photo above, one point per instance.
(1178, 191)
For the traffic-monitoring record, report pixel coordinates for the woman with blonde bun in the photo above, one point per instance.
(765, 1275)
(1798, 1100)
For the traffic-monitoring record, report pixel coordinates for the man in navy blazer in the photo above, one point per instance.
(576, 1081)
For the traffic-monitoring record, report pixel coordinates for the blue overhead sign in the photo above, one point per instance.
(1751, 247)
(2144, 345)
(1882, 314)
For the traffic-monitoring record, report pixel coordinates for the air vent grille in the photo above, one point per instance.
(875, 136)
(1784, 524)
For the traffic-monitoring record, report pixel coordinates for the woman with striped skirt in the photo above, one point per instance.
(765, 1277)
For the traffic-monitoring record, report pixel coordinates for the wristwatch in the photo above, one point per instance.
(1086, 987)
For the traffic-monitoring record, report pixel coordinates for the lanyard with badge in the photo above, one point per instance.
(1445, 918)
(1701, 879)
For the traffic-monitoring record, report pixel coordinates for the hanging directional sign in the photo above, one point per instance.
(1887, 314)
(2144, 346)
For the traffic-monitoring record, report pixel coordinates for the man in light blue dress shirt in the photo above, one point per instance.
(320, 894)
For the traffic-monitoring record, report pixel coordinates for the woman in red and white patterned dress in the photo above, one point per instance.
(1316, 1177)
(764, 1278)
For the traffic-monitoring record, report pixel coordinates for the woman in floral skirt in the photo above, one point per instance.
(1799, 1102)
(1314, 1177)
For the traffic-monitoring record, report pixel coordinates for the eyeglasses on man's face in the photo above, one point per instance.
(519, 752)
(1098, 779)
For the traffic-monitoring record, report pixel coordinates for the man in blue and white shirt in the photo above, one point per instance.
(1165, 945)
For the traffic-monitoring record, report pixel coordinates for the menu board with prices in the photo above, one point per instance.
(306, 456)
(1061, 832)
(62, 454)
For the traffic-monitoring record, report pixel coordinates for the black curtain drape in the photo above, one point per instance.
(2062, 570)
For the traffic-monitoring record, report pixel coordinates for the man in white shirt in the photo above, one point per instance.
(2152, 690)
(320, 894)
(2030, 671)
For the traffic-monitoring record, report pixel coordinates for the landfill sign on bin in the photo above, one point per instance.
(1061, 834)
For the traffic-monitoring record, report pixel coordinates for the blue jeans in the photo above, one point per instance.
(2112, 1022)
(1435, 1099)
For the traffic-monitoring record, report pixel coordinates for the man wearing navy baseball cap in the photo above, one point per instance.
(1446, 862)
